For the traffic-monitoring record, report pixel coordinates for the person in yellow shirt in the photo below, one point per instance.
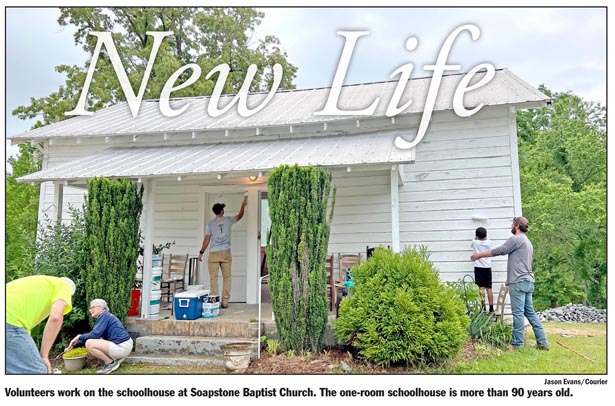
(29, 301)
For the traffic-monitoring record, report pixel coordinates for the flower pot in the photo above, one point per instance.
(237, 356)
(74, 364)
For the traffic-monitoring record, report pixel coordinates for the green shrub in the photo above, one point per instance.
(273, 346)
(482, 328)
(499, 334)
(479, 324)
(399, 312)
(113, 209)
(298, 202)
(60, 251)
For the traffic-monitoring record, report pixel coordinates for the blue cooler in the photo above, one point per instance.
(189, 305)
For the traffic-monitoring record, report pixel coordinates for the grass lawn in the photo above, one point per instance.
(587, 339)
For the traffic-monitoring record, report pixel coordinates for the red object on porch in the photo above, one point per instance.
(135, 299)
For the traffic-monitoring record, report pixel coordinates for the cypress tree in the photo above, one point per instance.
(298, 199)
(112, 212)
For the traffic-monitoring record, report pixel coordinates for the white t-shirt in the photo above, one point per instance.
(482, 246)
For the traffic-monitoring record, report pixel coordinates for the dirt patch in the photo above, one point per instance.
(573, 331)
(337, 360)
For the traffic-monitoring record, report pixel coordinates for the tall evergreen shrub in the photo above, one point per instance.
(113, 209)
(400, 313)
(298, 199)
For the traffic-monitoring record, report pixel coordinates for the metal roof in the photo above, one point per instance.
(159, 161)
(290, 107)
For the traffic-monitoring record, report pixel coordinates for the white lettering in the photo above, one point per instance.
(242, 96)
(134, 102)
(165, 107)
(463, 87)
(331, 108)
(405, 70)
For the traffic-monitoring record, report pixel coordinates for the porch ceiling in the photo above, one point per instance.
(161, 161)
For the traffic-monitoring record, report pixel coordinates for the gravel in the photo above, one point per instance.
(574, 313)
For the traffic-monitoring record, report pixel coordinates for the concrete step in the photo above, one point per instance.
(216, 364)
(215, 327)
(188, 345)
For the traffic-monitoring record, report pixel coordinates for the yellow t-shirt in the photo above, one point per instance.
(29, 299)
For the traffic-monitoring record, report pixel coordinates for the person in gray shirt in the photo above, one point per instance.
(218, 239)
(520, 282)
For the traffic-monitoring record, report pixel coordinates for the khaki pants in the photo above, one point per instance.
(222, 260)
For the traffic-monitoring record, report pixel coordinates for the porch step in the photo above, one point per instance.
(184, 345)
(215, 327)
(214, 363)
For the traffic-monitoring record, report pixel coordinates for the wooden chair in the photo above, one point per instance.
(347, 261)
(173, 277)
(331, 288)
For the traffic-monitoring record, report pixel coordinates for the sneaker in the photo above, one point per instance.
(224, 306)
(542, 347)
(119, 361)
(108, 368)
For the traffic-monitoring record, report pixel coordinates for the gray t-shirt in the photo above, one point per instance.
(220, 230)
(520, 252)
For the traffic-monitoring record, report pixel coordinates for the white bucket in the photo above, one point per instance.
(156, 261)
(154, 303)
(156, 278)
(196, 287)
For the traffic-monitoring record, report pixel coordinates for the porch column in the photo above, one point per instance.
(146, 289)
(395, 243)
(252, 251)
(58, 200)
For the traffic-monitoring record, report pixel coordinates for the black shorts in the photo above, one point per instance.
(482, 277)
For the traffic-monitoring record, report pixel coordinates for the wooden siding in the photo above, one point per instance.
(463, 168)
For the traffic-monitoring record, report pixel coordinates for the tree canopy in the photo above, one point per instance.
(205, 36)
(562, 158)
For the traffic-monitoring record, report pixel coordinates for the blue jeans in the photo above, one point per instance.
(22, 356)
(521, 305)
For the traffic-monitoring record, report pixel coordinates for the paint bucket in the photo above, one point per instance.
(156, 261)
(154, 303)
(156, 278)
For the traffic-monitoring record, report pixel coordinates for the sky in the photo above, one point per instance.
(563, 48)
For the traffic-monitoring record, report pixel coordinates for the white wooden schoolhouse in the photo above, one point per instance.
(463, 174)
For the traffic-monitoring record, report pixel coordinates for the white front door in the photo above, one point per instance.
(238, 244)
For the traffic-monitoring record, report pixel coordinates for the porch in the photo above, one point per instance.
(164, 340)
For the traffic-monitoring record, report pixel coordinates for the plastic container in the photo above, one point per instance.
(156, 278)
(188, 305)
(211, 306)
(196, 287)
(154, 303)
(156, 261)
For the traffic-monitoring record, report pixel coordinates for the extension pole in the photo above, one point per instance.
(576, 352)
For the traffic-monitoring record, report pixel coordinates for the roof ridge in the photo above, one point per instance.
(315, 88)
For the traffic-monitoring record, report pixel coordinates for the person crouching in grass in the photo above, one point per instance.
(108, 341)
